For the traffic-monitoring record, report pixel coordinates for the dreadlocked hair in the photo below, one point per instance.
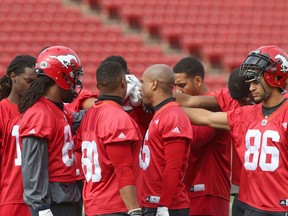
(17, 65)
(37, 89)
(5, 87)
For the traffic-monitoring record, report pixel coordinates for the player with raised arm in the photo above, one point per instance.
(260, 131)
(209, 191)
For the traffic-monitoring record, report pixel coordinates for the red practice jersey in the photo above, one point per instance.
(138, 115)
(77, 103)
(11, 178)
(169, 122)
(226, 103)
(262, 147)
(45, 120)
(209, 166)
(8, 111)
(105, 123)
(76, 106)
(11, 186)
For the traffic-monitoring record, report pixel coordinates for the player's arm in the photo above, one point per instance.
(77, 118)
(174, 156)
(121, 158)
(35, 172)
(204, 117)
(88, 103)
(206, 102)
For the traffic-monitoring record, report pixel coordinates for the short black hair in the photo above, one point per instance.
(191, 66)
(237, 86)
(118, 59)
(108, 75)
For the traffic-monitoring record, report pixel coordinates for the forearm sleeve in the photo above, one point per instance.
(77, 118)
(35, 172)
(174, 155)
(121, 158)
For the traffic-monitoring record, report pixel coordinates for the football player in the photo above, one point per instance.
(237, 94)
(260, 132)
(48, 165)
(209, 188)
(110, 142)
(20, 74)
(165, 150)
(132, 103)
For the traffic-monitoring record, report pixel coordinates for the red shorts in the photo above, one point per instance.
(15, 209)
(209, 205)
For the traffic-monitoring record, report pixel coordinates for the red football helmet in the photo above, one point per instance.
(272, 61)
(62, 64)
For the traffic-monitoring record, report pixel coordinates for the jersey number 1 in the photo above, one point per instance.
(15, 133)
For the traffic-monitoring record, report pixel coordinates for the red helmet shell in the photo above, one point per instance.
(272, 61)
(60, 63)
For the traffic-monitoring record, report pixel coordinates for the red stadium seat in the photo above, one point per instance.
(212, 30)
(203, 27)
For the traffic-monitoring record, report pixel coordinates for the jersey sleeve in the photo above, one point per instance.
(36, 124)
(175, 126)
(122, 129)
(172, 171)
(35, 173)
(225, 101)
(234, 116)
(78, 102)
(122, 165)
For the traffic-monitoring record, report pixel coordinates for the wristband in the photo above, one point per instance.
(137, 211)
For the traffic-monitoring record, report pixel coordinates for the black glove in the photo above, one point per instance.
(148, 109)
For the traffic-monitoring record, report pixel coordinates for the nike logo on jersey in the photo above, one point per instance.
(32, 131)
(156, 121)
(175, 130)
(122, 136)
(284, 125)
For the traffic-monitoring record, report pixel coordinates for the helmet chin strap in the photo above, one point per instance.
(75, 93)
(265, 92)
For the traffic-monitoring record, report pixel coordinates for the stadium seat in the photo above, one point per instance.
(198, 27)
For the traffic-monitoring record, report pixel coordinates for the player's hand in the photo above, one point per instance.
(130, 84)
(133, 90)
(135, 212)
(162, 211)
(46, 212)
